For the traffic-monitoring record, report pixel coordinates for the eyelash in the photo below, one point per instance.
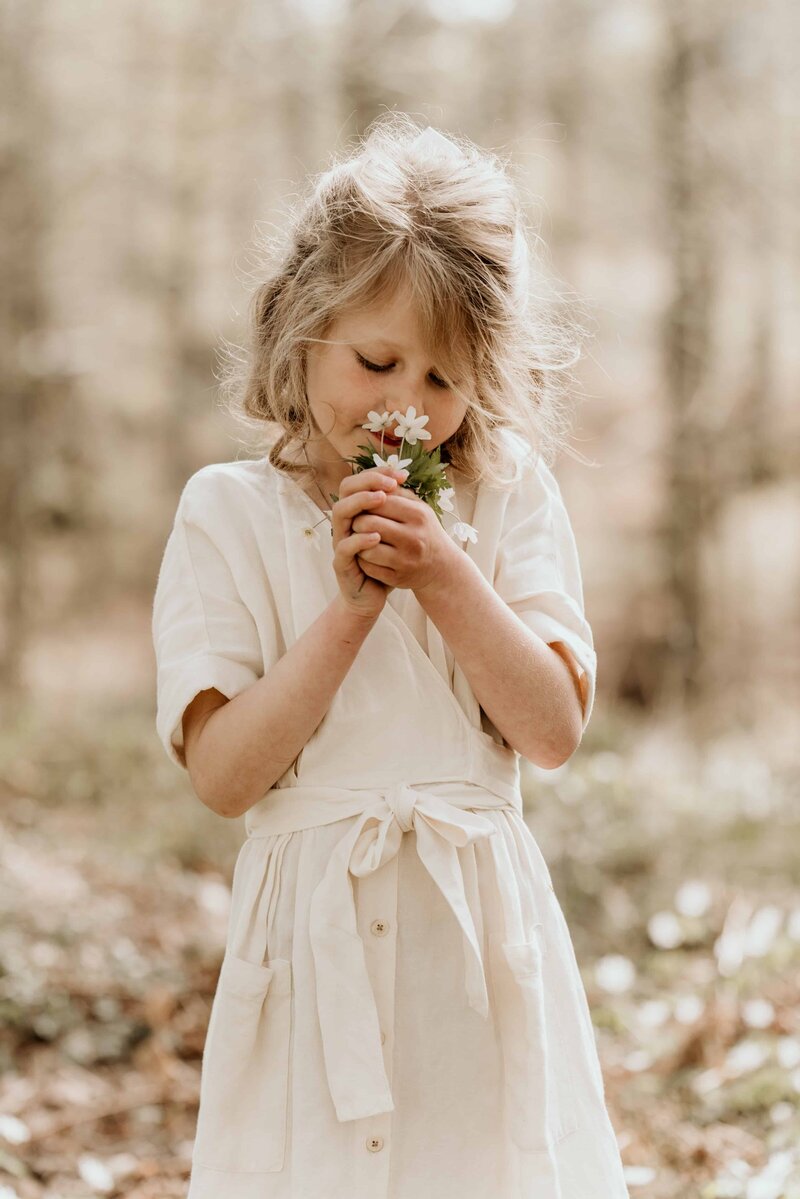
(371, 366)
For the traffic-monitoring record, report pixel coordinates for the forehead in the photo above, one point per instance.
(393, 321)
(394, 325)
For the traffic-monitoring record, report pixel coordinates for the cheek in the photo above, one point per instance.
(338, 385)
(358, 393)
(449, 416)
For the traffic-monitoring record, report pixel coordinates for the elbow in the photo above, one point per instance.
(217, 800)
(210, 784)
(557, 750)
(551, 760)
(214, 793)
(569, 742)
(560, 756)
(220, 794)
(225, 807)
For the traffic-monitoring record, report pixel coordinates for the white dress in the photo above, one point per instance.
(396, 1016)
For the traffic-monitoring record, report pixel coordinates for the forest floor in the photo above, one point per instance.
(676, 867)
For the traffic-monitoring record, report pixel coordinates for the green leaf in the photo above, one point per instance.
(426, 477)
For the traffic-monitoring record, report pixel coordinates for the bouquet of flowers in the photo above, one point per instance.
(426, 475)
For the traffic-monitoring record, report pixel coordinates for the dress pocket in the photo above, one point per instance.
(242, 1119)
(539, 1086)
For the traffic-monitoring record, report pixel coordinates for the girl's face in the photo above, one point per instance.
(383, 367)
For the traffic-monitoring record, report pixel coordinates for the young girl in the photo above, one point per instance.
(399, 1013)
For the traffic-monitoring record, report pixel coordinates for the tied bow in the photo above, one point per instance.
(348, 1015)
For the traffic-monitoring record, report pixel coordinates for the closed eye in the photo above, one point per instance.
(372, 366)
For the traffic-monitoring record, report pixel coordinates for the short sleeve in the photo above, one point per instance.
(537, 572)
(204, 635)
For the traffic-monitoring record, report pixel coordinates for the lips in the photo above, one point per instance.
(392, 442)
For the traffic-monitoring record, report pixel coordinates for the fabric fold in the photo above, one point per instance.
(347, 1011)
(445, 817)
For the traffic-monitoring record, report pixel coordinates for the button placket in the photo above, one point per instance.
(376, 906)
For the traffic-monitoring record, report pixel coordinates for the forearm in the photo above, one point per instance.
(525, 687)
(249, 742)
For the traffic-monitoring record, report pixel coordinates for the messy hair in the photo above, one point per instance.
(450, 226)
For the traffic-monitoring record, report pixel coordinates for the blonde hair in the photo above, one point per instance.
(450, 225)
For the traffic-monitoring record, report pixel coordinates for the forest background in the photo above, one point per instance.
(655, 141)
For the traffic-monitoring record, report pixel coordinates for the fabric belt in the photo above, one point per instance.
(445, 816)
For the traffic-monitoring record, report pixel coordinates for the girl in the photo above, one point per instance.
(399, 1012)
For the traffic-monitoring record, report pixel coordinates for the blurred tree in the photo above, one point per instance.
(686, 339)
(23, 365)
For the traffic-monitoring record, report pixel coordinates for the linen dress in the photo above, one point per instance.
(399, 1012)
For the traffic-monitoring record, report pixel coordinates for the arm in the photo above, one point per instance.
(237, 749)
(527, 689)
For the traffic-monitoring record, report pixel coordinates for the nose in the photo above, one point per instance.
(403, 408)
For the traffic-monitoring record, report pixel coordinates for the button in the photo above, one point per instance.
(374, 1144)
(379, 927)
(383, 1038)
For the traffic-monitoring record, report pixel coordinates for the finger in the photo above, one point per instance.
(376, 569)
(349, 506)
(347, 509)
(354, 544)
(366, 522)
(371, 478)
(379, 555)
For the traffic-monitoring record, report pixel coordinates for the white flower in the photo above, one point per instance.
(745, 1056)
(445, 498)
(788, 1052)
(463, 531)
(410, 426)
(664, 929)
(693, 898)
(758, 1013)
(393, 460)
(14, 1130)
(688, 1009)
(311, 534)
(762, 930)
(638, 1176)
(653, 1013)
(378, 421)
(615, 973)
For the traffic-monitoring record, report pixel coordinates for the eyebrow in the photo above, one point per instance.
(377, 340)
(383, 343)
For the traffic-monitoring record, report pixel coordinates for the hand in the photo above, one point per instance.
(414, 550)
(359, 493)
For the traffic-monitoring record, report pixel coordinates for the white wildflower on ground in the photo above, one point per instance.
(664, 930)
(758, 1013)
(693, 898)
(689, 1009)
(615, 973)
